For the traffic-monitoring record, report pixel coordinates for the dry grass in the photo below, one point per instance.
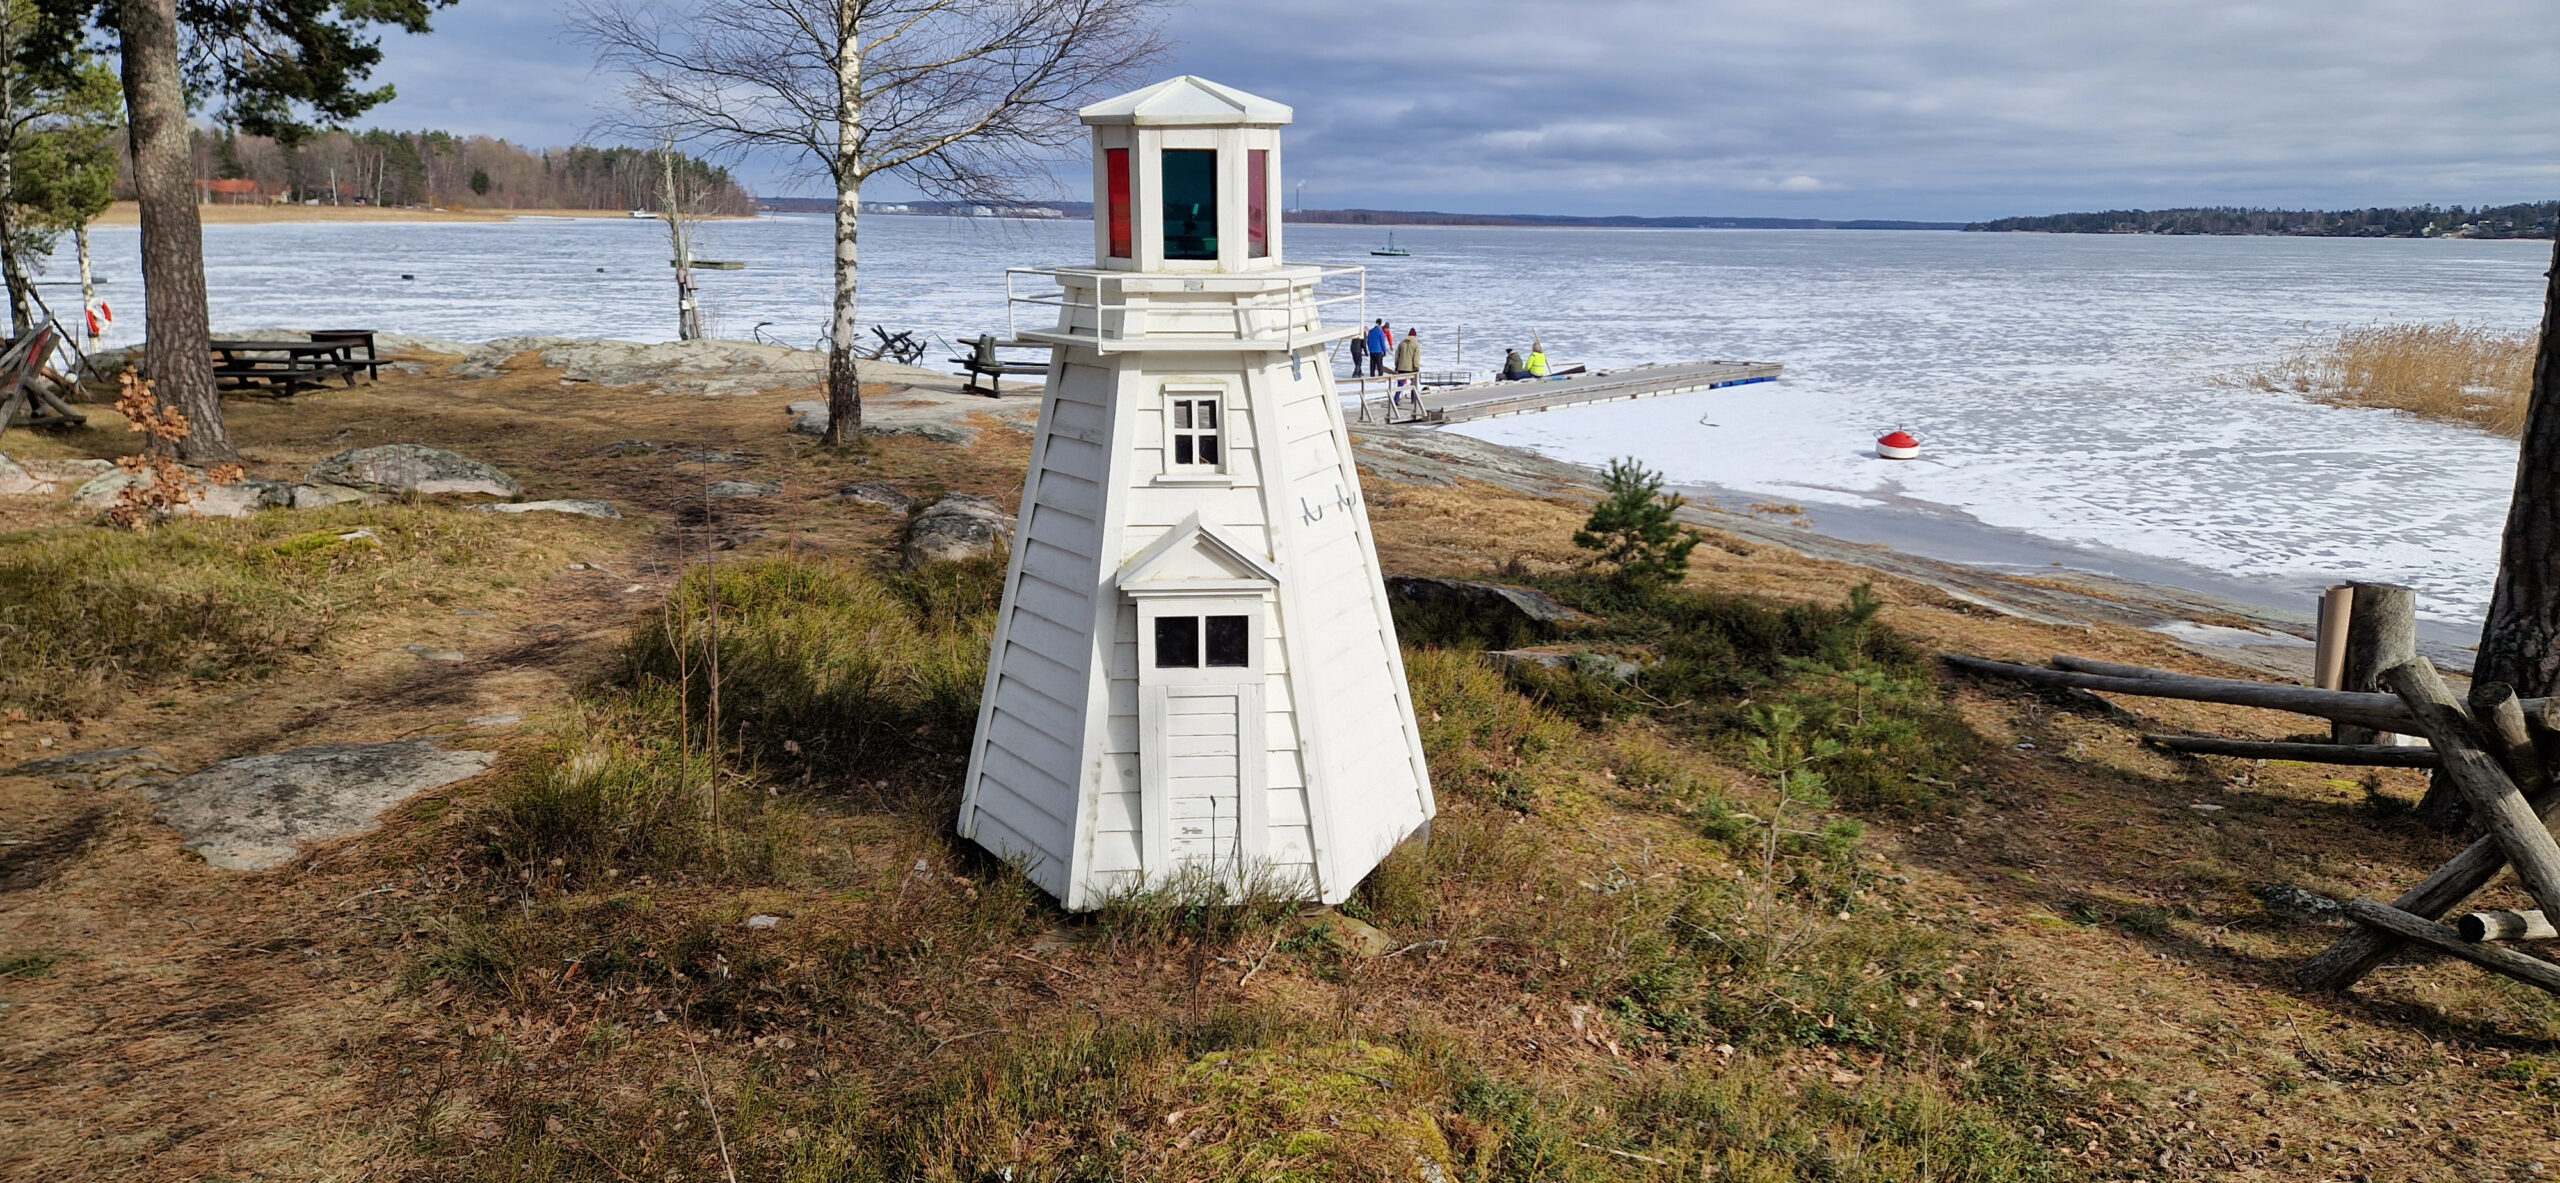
(2449, 372)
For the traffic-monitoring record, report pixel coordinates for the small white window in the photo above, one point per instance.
(1196, 430)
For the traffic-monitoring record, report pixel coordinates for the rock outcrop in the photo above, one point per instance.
(256, 812)
(412, 468)
(17, 481)
(957, 528)
(573, 505)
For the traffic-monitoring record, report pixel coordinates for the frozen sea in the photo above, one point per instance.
(2062, 385)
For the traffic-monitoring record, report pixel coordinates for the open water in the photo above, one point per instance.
(2063, 386)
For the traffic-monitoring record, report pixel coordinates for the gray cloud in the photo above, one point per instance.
(1877, 108)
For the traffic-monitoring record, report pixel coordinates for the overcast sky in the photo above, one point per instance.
(1944, 109)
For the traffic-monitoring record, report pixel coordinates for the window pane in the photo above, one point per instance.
(1190, 203)
(1177, 642)
(1116, 177)
(1208, 413)
(1182, 412)
(1208, 449)
(1257, 203)
(1182, 449)
(1228, 641)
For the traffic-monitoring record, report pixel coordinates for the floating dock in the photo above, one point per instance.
(1490, 400)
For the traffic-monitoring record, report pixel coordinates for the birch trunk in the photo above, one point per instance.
(21, 313)
(688, 311)
(177, 356)
(88, 286)
(844, 371)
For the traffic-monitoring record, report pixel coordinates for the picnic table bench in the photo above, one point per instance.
(983, 362)
(281, 367)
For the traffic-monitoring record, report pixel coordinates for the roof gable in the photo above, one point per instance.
(1195, 554)
(1188, 101)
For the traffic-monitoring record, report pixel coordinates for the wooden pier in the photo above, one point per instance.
(1488, 400)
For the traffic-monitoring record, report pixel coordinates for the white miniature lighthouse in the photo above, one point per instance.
(1194, 673)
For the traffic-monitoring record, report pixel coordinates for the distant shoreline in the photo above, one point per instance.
(126, 213)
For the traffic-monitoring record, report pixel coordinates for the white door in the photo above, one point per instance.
(1202, 747)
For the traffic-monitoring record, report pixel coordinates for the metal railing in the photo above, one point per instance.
(1282, 316)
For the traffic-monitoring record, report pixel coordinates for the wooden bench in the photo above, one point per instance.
(982, 362)
(360, 351)
(282, 367)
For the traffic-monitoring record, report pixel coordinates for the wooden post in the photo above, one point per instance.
(2506, 926)
(2329, 656)
(2500, 714)
(2382, 632)
(2494, 797)
(2495, 958)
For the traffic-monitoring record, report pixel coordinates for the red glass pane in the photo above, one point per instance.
(1257, 203)
(1115, 167)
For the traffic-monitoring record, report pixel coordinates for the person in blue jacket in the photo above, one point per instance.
(1378, 348)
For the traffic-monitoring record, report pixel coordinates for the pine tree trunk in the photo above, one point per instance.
(176, 355)
(2520, 644)
(21, 310)
(844, 369)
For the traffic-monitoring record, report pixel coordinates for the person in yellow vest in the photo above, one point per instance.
(1537, 360)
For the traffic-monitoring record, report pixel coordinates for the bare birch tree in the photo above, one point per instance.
(681, 205)
(964, 99)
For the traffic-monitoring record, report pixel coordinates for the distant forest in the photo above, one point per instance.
(411, 168)
(2530, 220)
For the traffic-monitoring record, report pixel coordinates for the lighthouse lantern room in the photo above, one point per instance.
(1194, 678)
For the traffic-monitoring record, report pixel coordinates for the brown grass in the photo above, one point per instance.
(2448, 372)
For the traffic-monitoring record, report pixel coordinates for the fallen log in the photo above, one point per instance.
(2494, 958)
(2357, 755)
(2506, 926)
(2381, 712)
(2493, 796)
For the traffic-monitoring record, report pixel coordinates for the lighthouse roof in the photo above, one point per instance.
(1188, 101)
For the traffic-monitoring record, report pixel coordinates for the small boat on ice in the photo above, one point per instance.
(1898, 445)
(1391, 250)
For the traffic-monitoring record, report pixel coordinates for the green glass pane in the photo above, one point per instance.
(1190, 203)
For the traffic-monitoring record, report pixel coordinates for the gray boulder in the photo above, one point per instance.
(1585, 663)
(412, 468)
(1537, 612)
(16, 481)
(957, 528)
(880, 493)
(322, 496)
(733, 490)
(255, 812)
(580, 506)
(68, 472)
(236, 500)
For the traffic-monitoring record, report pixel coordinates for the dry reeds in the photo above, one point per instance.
(2449, 372)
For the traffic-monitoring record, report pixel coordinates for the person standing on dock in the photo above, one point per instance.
(1409, 352)
(1359, 353)
(1379, 342)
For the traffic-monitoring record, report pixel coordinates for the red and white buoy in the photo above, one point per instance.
(1898, 445)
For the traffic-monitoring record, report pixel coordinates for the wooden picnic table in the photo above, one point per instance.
(281, 367)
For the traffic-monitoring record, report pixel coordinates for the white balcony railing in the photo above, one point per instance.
(1250, 311)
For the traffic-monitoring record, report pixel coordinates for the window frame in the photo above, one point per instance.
(1223, 433)
(1253, 608)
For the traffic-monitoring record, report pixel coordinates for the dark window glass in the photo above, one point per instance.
(1228, 641)
(1208, 449)
(1116, 179)
(1182, 449)
(1178, 642)
(1190, 203)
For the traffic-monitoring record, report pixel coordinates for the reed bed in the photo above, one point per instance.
(2449, 372)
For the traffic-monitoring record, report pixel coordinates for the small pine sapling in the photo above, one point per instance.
(1632, 528)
